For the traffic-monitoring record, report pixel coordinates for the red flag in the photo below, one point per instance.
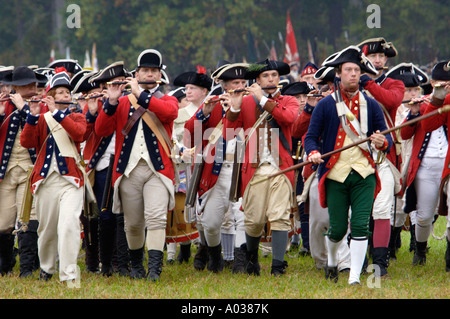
(273, 52)
(291, 52)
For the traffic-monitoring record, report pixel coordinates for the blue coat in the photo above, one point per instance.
(325, 128)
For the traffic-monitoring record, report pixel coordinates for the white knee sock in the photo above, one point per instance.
(358, 249)
(332, 247)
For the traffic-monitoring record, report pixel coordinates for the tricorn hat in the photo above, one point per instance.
(195, 78)
(81, 82)
(441, 71)
(351, 54)
(325, 74)
(378, 45)
(297, 88)
(22, 76)
(231, 71)
(410, 74)
(179, 93)
(71, 66)
(112, 71)
(254, 70)
(5, 70)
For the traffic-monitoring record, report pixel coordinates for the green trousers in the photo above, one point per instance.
(354, 197)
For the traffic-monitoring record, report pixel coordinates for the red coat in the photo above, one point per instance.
(165, 108)
(93, 141)
(211, 169)
(389, 93)
(285, 112)
(432, 123)
(418, 134)
(34, 135)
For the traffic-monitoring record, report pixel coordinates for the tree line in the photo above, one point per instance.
(189, 32)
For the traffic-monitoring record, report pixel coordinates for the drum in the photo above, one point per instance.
(177, 229)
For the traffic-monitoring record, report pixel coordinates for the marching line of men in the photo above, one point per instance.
(226, 158)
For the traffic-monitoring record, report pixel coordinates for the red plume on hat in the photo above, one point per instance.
(60, 69)
(201, 69)
(365, 49)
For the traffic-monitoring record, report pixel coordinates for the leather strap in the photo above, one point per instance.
(153, 123)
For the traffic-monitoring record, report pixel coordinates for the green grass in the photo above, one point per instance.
(302, 281)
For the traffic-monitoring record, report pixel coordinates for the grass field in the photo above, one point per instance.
(302, 281)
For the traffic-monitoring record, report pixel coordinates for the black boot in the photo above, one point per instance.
(420, 257)
(380, 257)
(91, 248)
(278, 267)
(185, 253)
(137, 268)
(28, 249)
(251, 262)
(201, 257)
(447, 256)
(412, 242)
(215, 263)
(106, 240)
(393, 240)
(6, 253)
(155, 262)
(239, 259)
(122, 259)
(331, 273)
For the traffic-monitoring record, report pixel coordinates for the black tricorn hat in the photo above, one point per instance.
(112, 71)
(441, 71)
(71, 66)
(378, 45)
(324, 75)
(22, 76)
(191, 77)
(179, 93)
(80, 82)
(231, 71)
(254, 70)
(410, 74)
(297, 88)
(151, 59)
(351, 54)
(5, 70)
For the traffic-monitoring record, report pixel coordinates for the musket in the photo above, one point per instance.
(235, 189)
(444, 109)
(27, 204)
(192, 187)
(108, 191)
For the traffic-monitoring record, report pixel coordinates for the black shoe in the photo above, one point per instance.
(28, 249)
(447, 257)
(331, 273)
(137, 268)
(252, 264)
(215, 263)
(155, 262)
(239, 259)
(6, 253)
(420, 257)
(304, 252)
(44, 276)
(278, 267)
(201, 257)
(184, 254)
(380, 257)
